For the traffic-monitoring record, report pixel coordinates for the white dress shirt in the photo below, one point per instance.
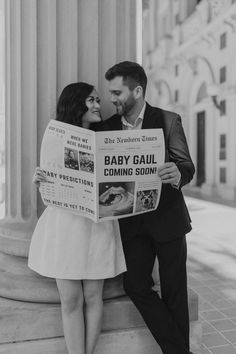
(138, 122)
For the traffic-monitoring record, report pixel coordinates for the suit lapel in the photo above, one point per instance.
(154, 118)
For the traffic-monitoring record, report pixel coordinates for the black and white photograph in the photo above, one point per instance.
(135, 258)
(116, 198)
(71, 159)
(146, 200)
(86, 162)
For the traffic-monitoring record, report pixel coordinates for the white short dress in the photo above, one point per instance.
(68, 246)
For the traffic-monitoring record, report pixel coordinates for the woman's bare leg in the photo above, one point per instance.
(71, 296)
(93, 290)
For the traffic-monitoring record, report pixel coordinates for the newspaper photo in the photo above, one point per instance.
(101, 175)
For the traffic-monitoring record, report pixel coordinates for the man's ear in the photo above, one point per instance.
(138, 92)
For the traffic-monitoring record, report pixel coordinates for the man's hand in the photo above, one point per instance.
(169, 173)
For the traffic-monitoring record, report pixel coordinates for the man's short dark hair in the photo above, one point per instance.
(133, 74)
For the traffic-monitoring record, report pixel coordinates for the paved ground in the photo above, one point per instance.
(212, 272)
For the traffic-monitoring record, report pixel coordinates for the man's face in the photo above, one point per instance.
(121, 96)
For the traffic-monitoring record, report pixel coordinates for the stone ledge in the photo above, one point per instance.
(20, 321)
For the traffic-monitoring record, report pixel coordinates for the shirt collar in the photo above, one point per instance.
(140, 117)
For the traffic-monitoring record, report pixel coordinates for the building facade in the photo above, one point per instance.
(189, 53)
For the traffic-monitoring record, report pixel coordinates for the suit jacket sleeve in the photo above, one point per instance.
(178, 151)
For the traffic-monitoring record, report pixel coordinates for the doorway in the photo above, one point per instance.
(201, 146)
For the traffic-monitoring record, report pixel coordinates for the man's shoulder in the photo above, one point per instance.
(160, 117)
(163, 112)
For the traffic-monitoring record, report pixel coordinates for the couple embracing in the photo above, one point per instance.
(80, 254)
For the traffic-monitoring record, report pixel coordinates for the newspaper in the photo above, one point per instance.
(101, 175)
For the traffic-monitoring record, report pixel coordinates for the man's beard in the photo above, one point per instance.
(120, 110)
(124, 109)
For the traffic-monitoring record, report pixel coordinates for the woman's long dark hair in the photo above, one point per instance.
(71, 104)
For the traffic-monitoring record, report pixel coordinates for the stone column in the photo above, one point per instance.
(49, 43)
(21, 136)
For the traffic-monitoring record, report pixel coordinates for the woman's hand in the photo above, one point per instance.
(39, 176)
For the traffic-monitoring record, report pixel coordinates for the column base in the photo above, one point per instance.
(19, 282)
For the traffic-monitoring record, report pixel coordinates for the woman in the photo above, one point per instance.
(79, 253)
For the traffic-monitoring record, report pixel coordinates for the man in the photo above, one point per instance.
(160, 233)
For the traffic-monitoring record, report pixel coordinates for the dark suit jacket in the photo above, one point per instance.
(171, 219)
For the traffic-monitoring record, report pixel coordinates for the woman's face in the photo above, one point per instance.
(71, 154)
(93, 113)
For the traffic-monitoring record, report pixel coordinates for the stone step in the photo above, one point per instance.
(133, 341)
(20, 321)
